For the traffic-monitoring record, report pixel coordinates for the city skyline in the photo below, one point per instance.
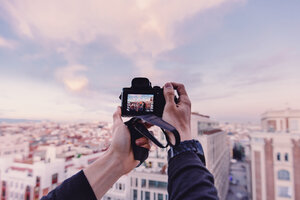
(68, 60)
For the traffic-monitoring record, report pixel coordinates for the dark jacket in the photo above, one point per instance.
(189, 179)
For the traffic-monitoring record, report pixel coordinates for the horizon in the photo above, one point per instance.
(69, 60)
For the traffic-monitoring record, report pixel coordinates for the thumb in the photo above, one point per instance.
(169, 94)
(117, 116)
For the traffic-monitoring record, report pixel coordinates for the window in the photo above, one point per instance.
(271, 124)
(154, 196)
(278, 156)
(286, 157)
(283, 175)
(157, 184)
(147, 195)
(134, 194)
(294, 125)
(160, 196)
(136, 182)
(143, 183)
(284, 192)
(54, 178)
(141, 194)
(161, 164)
(199, 128)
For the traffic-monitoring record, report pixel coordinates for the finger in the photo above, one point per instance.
(148, 125)
(169, 94)
(183, 96)
(141, 141)
(117, 116)
(147, 146)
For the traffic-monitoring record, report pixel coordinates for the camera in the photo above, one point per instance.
(141, 99)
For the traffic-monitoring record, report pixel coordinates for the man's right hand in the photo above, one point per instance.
(178, 115)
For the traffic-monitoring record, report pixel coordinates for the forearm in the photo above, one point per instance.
(76, 188)
(189, 178)
(103, 173)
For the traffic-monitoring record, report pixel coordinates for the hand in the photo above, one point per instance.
(120, 148)
(178, 115)
(116, 161)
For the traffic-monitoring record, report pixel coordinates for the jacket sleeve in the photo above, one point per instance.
(76, 187)
(189, 178)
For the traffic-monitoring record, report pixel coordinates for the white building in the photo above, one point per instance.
(216, 149)
(275, 166)
(29, 179)
(275, 155)
(34, 177)
(287, 120)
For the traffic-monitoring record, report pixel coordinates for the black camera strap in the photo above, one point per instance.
(138, 130)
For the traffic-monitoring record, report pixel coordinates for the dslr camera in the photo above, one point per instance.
(141, 99)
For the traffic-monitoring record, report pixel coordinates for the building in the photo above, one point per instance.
(275, 166)
(37, 157)
(287, 120)
(216, 149)
(275, 154)
(29, 178)
(150, 181)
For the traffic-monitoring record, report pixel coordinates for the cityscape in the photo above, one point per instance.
(248, 161)
(64, 64)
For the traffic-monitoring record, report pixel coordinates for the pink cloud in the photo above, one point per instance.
(71, 78)
(140, 29)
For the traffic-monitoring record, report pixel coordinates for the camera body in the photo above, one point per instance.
(141, 99)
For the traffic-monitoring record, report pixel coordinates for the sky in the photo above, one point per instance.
(67, 60)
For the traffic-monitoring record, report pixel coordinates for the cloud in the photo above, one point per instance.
(7, 43)
(71, 78)
(139, 29)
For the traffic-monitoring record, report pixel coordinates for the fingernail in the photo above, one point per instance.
(168, 85)
(137, 142)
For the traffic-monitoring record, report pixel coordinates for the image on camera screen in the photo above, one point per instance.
(140, 102)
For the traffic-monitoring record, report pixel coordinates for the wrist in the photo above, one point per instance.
(116, 162)
(185, 135)
(103, 173)
(187, 146)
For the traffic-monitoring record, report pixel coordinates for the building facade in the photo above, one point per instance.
(287, 120)
(275, 166)
(275, 155)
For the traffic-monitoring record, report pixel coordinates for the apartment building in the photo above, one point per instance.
(216, 149)
(287, 120)
(275, 155)
(29, 178)
(33, 177)
(275, 166)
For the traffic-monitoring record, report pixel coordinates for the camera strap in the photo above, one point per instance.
(165, 126)
(138, 130)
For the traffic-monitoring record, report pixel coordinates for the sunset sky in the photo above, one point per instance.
(69, 59)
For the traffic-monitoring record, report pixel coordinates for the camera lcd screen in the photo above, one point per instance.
(140, 103)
